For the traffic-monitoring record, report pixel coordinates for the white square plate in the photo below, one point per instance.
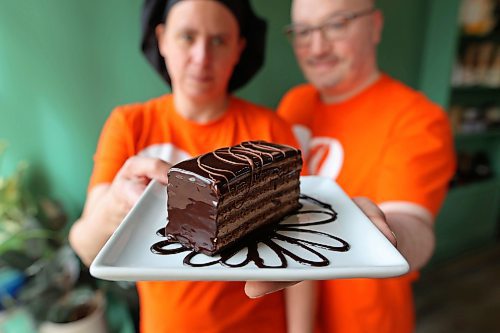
(127, 255)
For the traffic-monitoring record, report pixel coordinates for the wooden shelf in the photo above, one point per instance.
(493, 36)
(479, 185)
(490, 134)
(476, 95)
(476, 90)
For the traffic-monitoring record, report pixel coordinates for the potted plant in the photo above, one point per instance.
(33, 244)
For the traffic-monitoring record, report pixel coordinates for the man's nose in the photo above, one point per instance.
(319, 44)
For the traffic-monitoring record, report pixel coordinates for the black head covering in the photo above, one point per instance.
(252, 28)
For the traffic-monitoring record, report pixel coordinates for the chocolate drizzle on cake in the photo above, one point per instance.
(227, 164)
(220, 197)
(270, 237)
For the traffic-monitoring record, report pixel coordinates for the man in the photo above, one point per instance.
(378, 139)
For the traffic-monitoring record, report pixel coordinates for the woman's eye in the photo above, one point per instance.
(217, 41)
(186, 37)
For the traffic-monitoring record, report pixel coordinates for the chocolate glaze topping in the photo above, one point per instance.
(268, 236)
(225, 165)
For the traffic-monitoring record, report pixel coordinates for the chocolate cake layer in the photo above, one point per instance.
(217, 198)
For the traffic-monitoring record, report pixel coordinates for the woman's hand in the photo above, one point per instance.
(108, 204)
(133, 178)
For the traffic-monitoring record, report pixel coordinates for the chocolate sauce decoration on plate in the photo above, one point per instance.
(269, 238)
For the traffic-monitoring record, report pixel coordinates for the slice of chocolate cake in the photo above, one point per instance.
(218, 198)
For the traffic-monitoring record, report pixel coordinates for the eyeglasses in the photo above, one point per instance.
(333, 29)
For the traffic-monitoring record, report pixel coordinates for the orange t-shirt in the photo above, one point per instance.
(155, 129)
(392, 145)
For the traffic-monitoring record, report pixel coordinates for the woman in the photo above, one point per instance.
(204, 49)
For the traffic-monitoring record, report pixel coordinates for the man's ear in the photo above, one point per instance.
(160, 32)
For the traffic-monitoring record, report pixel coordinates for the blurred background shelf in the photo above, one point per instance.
(469, 218)
(490, 37)
(488, 134)
(475, 95)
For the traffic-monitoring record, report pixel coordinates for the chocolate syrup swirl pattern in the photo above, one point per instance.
(323, 214)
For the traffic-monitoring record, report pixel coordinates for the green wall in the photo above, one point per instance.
(400, 53)
(64, 64)
(439, 47)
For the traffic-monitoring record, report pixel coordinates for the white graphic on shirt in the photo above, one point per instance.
(165, 151)
(316, 149)
(303, 136)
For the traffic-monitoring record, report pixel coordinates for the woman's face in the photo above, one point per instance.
(201, 45)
